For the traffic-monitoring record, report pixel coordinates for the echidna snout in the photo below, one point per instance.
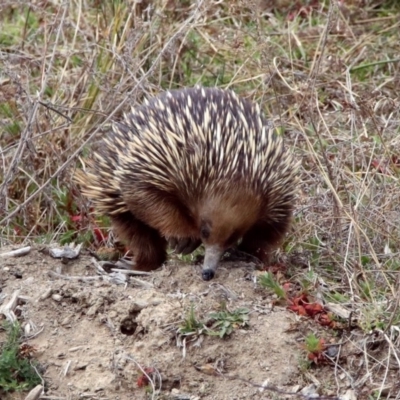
(223, 221)
(212, 257)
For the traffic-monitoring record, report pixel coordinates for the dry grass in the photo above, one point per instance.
(329, 73)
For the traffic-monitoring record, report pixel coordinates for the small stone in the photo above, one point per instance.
(72, 349)
(46, 294)
(138, 306)
(27, 329)
(66, 321)
(80, 366)
(29, 280)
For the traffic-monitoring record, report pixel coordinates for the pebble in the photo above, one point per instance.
(56, 297)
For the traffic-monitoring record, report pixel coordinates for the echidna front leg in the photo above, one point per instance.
(184, 245)
(147, 245)
(263, 238)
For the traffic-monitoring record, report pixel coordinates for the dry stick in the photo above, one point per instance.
(117, 108)
(392, 346)
(35, 393)
(395, 308)
(313, 74)
(387, 367)
(52, 108)
(18, 153)
(380, 132)
(259, 31)
(316, 64)
(152, 383)
(364, 183)
(17, 253)
(337, 202)
(38, 136)
(27, 131)
(358, 229)
(54, 274)
(8, 309)
(275, 389)
(351, 218)
(353, 225)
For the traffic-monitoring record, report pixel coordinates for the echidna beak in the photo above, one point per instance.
(211, 260)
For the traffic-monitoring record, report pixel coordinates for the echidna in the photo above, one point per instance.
(198, 165)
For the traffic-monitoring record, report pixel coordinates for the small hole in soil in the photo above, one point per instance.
(176, 384)
(18, 274)
(375, 345)
(128, 326)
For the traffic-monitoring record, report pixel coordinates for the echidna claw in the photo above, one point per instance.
(184, 246)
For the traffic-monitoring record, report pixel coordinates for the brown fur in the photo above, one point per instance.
(145, 242)
(263, 238)
(228, 218)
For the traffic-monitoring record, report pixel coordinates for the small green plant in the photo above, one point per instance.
(221, 323)
(313, 344)
(268, 281)
(193, 256)
(224, 322)
(315, 246)
(16, 372)
(367, 289)
(393, 265)
(307, 281)
(304, 364)
(315, 348)
(191, 325)
(375, 315)
(337, 297)
(9, 112)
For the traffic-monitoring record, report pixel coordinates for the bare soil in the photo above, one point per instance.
(91, 336)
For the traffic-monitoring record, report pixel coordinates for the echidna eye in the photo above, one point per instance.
(205, 232)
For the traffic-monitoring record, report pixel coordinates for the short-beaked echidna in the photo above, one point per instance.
(198, 165)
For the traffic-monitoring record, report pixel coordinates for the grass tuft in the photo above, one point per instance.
(221, 323)
(17, 373)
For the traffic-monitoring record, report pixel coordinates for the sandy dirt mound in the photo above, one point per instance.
(91, 335)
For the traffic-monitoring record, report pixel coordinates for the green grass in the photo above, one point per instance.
(312, 343)
(191, 325)
(224, 322)
(221, 323)
(268, 281)
(16, 372)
